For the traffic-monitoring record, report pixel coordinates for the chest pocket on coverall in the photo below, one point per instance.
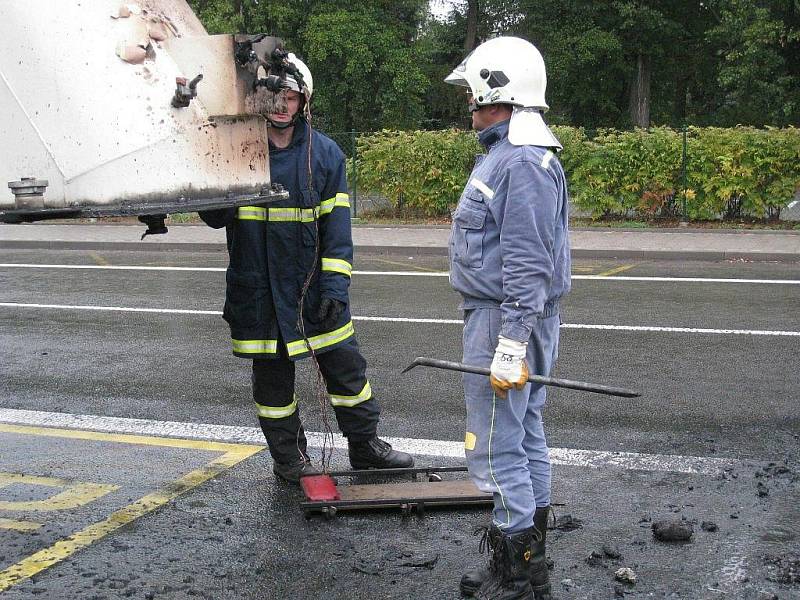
(470, 218)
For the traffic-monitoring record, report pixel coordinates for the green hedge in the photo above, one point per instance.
(729, 172)
(422, 170)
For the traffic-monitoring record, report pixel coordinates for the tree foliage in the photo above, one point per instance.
(756, 84)
(367, 77)
(611, 63)
(363, 55)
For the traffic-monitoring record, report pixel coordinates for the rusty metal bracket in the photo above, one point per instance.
(185, 91)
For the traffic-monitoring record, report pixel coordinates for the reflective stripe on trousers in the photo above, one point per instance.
(345, 372)
(265, 348)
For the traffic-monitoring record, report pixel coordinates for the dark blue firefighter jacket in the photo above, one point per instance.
(272, 250)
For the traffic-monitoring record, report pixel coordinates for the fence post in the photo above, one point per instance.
(354, 142)
(683, 170)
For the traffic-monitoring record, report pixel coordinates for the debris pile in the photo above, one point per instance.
(784, 568)
(709, 526)
(567, 523)
(625, 575)
(393, 560)
(673, 531)
(601, 558)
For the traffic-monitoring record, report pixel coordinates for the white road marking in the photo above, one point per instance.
(112, 267)
(437, 448)
(680, 329)
(404, 273)
(685, 279)
(166, 311)
(601, 327)
(410, 320)
(410, 274)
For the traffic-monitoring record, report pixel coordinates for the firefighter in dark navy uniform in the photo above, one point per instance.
(278, 251)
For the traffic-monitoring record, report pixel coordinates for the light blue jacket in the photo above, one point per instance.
(509, 243)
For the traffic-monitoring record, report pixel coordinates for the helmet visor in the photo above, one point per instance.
(457, 76)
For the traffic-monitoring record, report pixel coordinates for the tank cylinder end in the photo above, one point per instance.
(28, 192)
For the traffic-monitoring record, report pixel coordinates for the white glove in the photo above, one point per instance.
(509, 368)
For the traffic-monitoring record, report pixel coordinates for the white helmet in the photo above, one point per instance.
(509, 70)
(304, 72)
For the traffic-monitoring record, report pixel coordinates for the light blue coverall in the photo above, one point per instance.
(510, 260)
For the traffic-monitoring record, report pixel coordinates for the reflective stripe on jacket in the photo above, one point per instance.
(272, 250)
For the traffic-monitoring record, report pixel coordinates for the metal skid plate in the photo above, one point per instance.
(408, 496)
(166, 207)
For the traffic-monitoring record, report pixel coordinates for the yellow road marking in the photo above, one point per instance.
(38, 562)
(582, 269)
(19, 525)
(617, 270)
(123, 438)
(76, 493)
(99, 259)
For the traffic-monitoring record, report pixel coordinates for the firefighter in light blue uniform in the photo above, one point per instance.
(510, 261)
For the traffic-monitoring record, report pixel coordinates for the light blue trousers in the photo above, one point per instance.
(506, 449)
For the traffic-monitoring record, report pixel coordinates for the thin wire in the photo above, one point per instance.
(319, 384)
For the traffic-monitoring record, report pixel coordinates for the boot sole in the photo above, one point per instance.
(294, 480)
(285, 479)
(525, 596)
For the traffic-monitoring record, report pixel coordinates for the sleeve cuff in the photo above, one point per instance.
(516, 330)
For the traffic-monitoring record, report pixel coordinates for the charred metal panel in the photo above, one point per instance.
(85, 103)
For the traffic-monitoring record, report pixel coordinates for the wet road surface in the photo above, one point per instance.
(109, 489)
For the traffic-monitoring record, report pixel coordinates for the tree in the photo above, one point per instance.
(611, 63)
(643, 27)
(755, 40)
(472, 26)
(368, 77)
(363, 58)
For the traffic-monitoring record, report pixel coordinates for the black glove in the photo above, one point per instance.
(329, 312)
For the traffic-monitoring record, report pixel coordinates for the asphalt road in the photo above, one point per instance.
(716, 362)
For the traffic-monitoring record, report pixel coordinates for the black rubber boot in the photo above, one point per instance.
(540, 577)
(509, 566)
(293, 471)
(377, 454)
(287, 445)
(472, 580)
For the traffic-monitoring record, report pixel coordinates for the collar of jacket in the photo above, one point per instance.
(298, 136)
(493, 134)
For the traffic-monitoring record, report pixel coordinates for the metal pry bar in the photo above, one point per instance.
(551, 381)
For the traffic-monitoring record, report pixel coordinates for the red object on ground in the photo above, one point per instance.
(319, 488)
